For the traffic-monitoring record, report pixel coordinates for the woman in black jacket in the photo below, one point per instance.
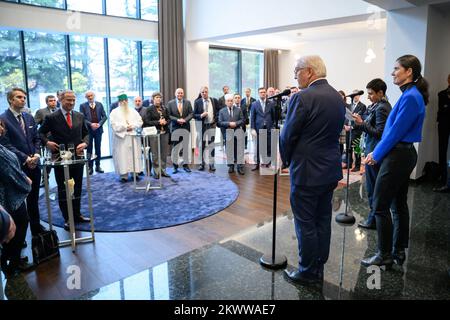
(373, 128)
(158, 116)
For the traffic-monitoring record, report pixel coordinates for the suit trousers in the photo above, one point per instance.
(312, 208)
(33, 199)
(12, 249)
(75, 172)
(444, 133)
(371, 177)
(258, 142)
(165, 147)
(95, 137)
(211, 140)
(391, 191)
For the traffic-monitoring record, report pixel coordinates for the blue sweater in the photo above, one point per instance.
(404, 123)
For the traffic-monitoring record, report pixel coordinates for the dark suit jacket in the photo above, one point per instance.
(61, 133)
(309, 141)
(225, 119)
(259, 117)
(248, 108)
(41, 114)
(14, 139)
(187, 114)
(85, 109)
(147, 103)
(443, 116)
(152, 117)
(374, 124)
(199, 109)
(361, 110)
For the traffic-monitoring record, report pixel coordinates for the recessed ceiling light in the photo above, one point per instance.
(299, 34)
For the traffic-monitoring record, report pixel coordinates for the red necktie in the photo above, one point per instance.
(69, 120)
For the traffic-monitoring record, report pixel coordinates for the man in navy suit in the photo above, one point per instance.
(262, 118)
(206, 110)
(67, 127)
(22, 138)
(95, 117)
(309, 144)
(231, 120)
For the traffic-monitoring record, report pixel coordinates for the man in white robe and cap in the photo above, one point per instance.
(124, 121)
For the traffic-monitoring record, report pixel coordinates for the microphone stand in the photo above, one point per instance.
(274, 261)
(344, 218)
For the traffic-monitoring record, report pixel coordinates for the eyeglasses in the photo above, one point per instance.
(297, 70)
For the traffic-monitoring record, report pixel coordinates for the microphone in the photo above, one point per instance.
(282, 94)
(359, 93)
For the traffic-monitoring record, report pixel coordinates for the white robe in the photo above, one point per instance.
(122, 140)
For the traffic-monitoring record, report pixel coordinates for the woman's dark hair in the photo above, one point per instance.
(377, 85)
(410, 61)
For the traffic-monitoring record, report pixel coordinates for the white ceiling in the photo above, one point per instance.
(286, 40)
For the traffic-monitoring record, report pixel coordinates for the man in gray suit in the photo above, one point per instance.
(180, 112)
(231, 121)
(40, 115)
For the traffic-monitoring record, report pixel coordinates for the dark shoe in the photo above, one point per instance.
(355, 169)
(187, 169)
(297, 278)
(378, 260)
(165, 174)
(175, 171)
(140, 173)
(24, 244)
(82, 219)
(256, 168)
(443, 189)
(91, 171)
(241, 171)
(156, 175)
(399, 256)
(66, 226)
(38, 230)
(212, 168)
(201, 168)
(24, 259)
(123, 180)
(230, 169)
(24, 266)
(99, 169)
(366, 225)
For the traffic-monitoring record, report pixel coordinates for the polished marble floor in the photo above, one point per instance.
(230, 269)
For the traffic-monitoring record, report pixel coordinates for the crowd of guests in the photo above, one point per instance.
(312, 145)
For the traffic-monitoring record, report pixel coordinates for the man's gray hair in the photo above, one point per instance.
(229, 96)
(64, 92)
(315, 63)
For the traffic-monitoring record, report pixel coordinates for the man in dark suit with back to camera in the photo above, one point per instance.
(206, 110)
(309, 144)
(181, 113)
(94, 117)
(67, 127)
(21, 137)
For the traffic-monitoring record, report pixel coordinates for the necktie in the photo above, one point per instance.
(69, 120)
(263, 106)
(92, 105)
(231, 113)
(180, 109)
(22, 124)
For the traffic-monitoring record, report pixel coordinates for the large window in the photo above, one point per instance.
(150, 65)
(252, 70)
(46, 3)
(223, 70)
(149, 10)
(123, 68)
(94, 6)
(11, 73)
(121, 8)
(46, 66)
(238, 69)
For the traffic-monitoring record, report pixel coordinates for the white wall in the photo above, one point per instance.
(197, 68)
(344, 59)
(208, 19)
(25, 17)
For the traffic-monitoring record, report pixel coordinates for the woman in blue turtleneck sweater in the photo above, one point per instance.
(397, 157)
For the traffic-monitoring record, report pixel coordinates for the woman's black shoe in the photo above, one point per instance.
(399, 257)
(378, 260)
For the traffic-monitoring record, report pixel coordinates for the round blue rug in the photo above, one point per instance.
(118, 207)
